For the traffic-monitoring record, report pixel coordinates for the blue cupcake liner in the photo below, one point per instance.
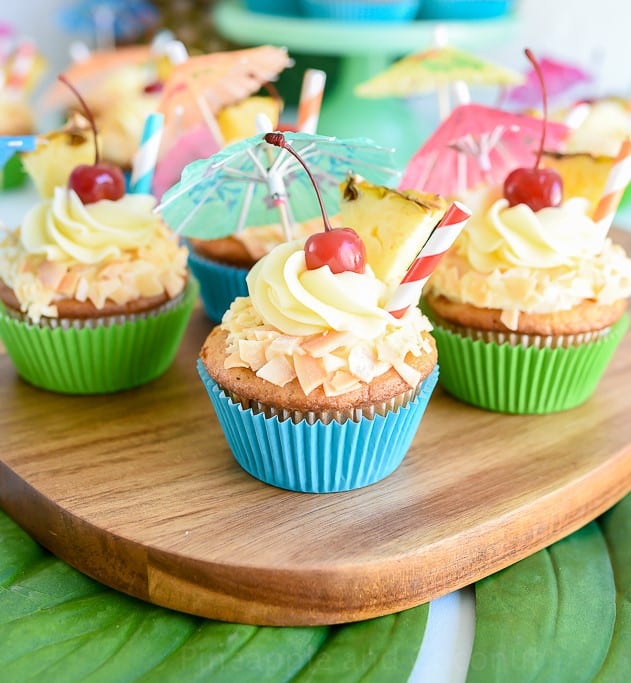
(464, 9)
(368, 10)
(318, 458)
(289, 8)
(219, 284)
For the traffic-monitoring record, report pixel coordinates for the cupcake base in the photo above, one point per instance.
(100, 355)
(219, 284)
(523, 379)
(318, 458)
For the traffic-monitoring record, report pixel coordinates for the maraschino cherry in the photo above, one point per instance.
(536, 187)
(99, 180)
(341, 249)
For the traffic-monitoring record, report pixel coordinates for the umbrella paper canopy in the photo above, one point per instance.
(477, 144)
(88, 74)
(201, 86)
(559, 77)
(245, 183)
(423, 72)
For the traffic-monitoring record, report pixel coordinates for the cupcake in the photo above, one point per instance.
(94, 291)
(318, 388)
(528, 306)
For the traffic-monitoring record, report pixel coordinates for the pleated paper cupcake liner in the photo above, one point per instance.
(326, 416)
(219, 284)
(523, 379)
(317, 457)
(101, 359)
(106, 321)
(518, 338)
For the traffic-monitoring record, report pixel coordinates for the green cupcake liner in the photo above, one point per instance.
(523, 380)
(101, 359)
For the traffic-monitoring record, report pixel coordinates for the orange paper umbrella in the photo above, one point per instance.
(200, 87)
(88, 74)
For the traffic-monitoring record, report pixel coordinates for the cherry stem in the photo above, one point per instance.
(278, 139)
(87, 113)
(539, 73)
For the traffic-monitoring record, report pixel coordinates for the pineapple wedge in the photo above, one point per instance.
(583, 174)
(58, 153)
(237, 121)
(393, 224)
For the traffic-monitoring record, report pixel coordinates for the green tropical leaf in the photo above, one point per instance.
(58, 625)
(562, 614)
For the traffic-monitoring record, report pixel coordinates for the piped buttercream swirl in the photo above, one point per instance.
(515, 259)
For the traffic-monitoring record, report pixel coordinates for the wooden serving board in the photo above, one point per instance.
(140, 491)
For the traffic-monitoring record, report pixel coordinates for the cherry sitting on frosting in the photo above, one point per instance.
(536, 187)
(97, 181)
(100, 180)
(341, 249)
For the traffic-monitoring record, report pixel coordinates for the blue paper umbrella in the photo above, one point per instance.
(109, 19)
(252, 183)
(11, 144)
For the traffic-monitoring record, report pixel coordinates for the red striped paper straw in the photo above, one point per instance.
(442, 237)
(615, 185)
(21, 66)
(310, 101)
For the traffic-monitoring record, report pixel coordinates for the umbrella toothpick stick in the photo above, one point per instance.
(275, 182)
(207, 115)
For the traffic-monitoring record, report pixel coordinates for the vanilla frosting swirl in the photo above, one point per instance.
(65, 228)
(517, 236)
(516, 259)
(299, 301)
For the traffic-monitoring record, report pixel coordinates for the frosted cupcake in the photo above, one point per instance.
(312, 363)
(333, 386)
(528, 306)
(94, 291)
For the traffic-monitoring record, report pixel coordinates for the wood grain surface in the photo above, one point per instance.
(140, 491)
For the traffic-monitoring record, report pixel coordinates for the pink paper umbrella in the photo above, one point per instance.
(197, 143)
(559, 77)
(477, 144)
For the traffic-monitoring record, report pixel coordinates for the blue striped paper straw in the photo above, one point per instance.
(145, 159)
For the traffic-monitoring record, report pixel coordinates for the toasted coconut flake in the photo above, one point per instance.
(278, 371)
(310, 371)
(252, 353)
(327, 343)
(234, 361)
(51, 273)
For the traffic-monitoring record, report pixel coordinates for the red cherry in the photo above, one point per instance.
(155, 87)
(99, 181)
(341, 249)
(536, 187)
